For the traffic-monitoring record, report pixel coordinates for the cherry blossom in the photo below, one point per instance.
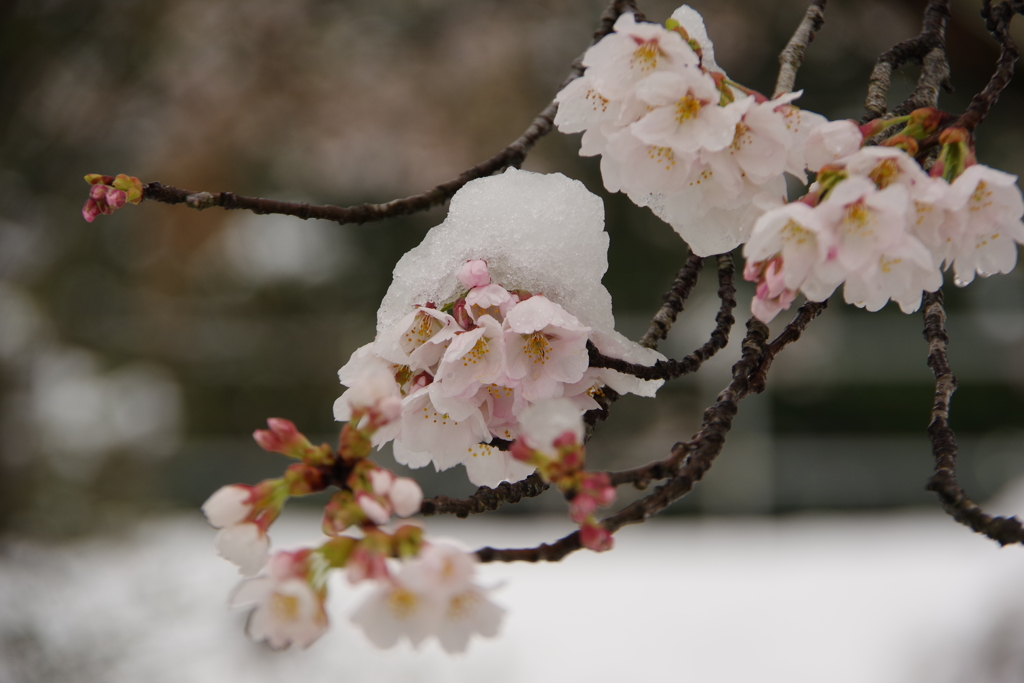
(288, 606)
(432, 595)
(491, 313)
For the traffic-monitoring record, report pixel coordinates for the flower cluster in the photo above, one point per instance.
(433, 594)
(109, 194)
(706, 154)
(460, 368)
(876, 221)
(552, 441)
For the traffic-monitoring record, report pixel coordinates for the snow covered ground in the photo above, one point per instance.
(879, 598)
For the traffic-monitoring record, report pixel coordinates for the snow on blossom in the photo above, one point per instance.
(705, 154)
(433, 595)
(489, 314)
(288, 609)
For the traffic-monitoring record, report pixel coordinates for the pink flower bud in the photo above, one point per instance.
(595, 537)
(462, 316)
(115, 198)
(90, 210)
(520, 451)
(474, 274)
(98, 192)
(581, 507)
(565, 439)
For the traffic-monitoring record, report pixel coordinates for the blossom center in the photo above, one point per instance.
(794, 232)
(646, 55)
(859, 219)
(284, 607)
(476, 354)
(980, 198)
(662, 155)
(537, 347)
(422, 329)
(460, 606)
(402, 603)
(687, 108)
(885, 173)
(742, 136)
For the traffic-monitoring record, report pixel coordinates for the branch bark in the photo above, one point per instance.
(954, 500)
(513, 155)
(792, 56)
(997, 21)
(916, 50)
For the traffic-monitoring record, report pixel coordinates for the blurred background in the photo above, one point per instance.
(138, 353)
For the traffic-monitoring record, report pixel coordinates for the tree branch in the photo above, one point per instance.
(672, 369)
(699, 455)
(954, 500)
(997, 21)
(675, 299)
(485, 499)
(931, 37)
(513, 155)
(792, 56)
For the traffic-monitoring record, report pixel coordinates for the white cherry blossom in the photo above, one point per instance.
(229, 505)
(687, 116)
(432, 596)
(634, 51)
(830, 142)
(545, 421)
(545, 346)
(287, 608)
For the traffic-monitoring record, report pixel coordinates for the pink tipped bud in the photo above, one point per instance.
(520, 451)
(98, 192)
(595, 537)
(229, 505)
(462, 316)
(582, 507)
(115, 198)
(474, 274)
(90, 210)
(565, 440)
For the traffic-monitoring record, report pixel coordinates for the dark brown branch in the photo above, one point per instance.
(808, 312)
(997, 21)
(513, 155)
(485, 499)
(1004, 530)
(641, 477)
(915, 50)
(675, 299)
(699, 455)
(792, 56)
(671, 369)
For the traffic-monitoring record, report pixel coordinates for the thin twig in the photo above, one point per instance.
(641, 477)
(675, 299)
(513, 155)
(792, 56)
(672, 369)
(932, 36)
(485, 499)
(997, 21)
(701, 452)
(1004, 530)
